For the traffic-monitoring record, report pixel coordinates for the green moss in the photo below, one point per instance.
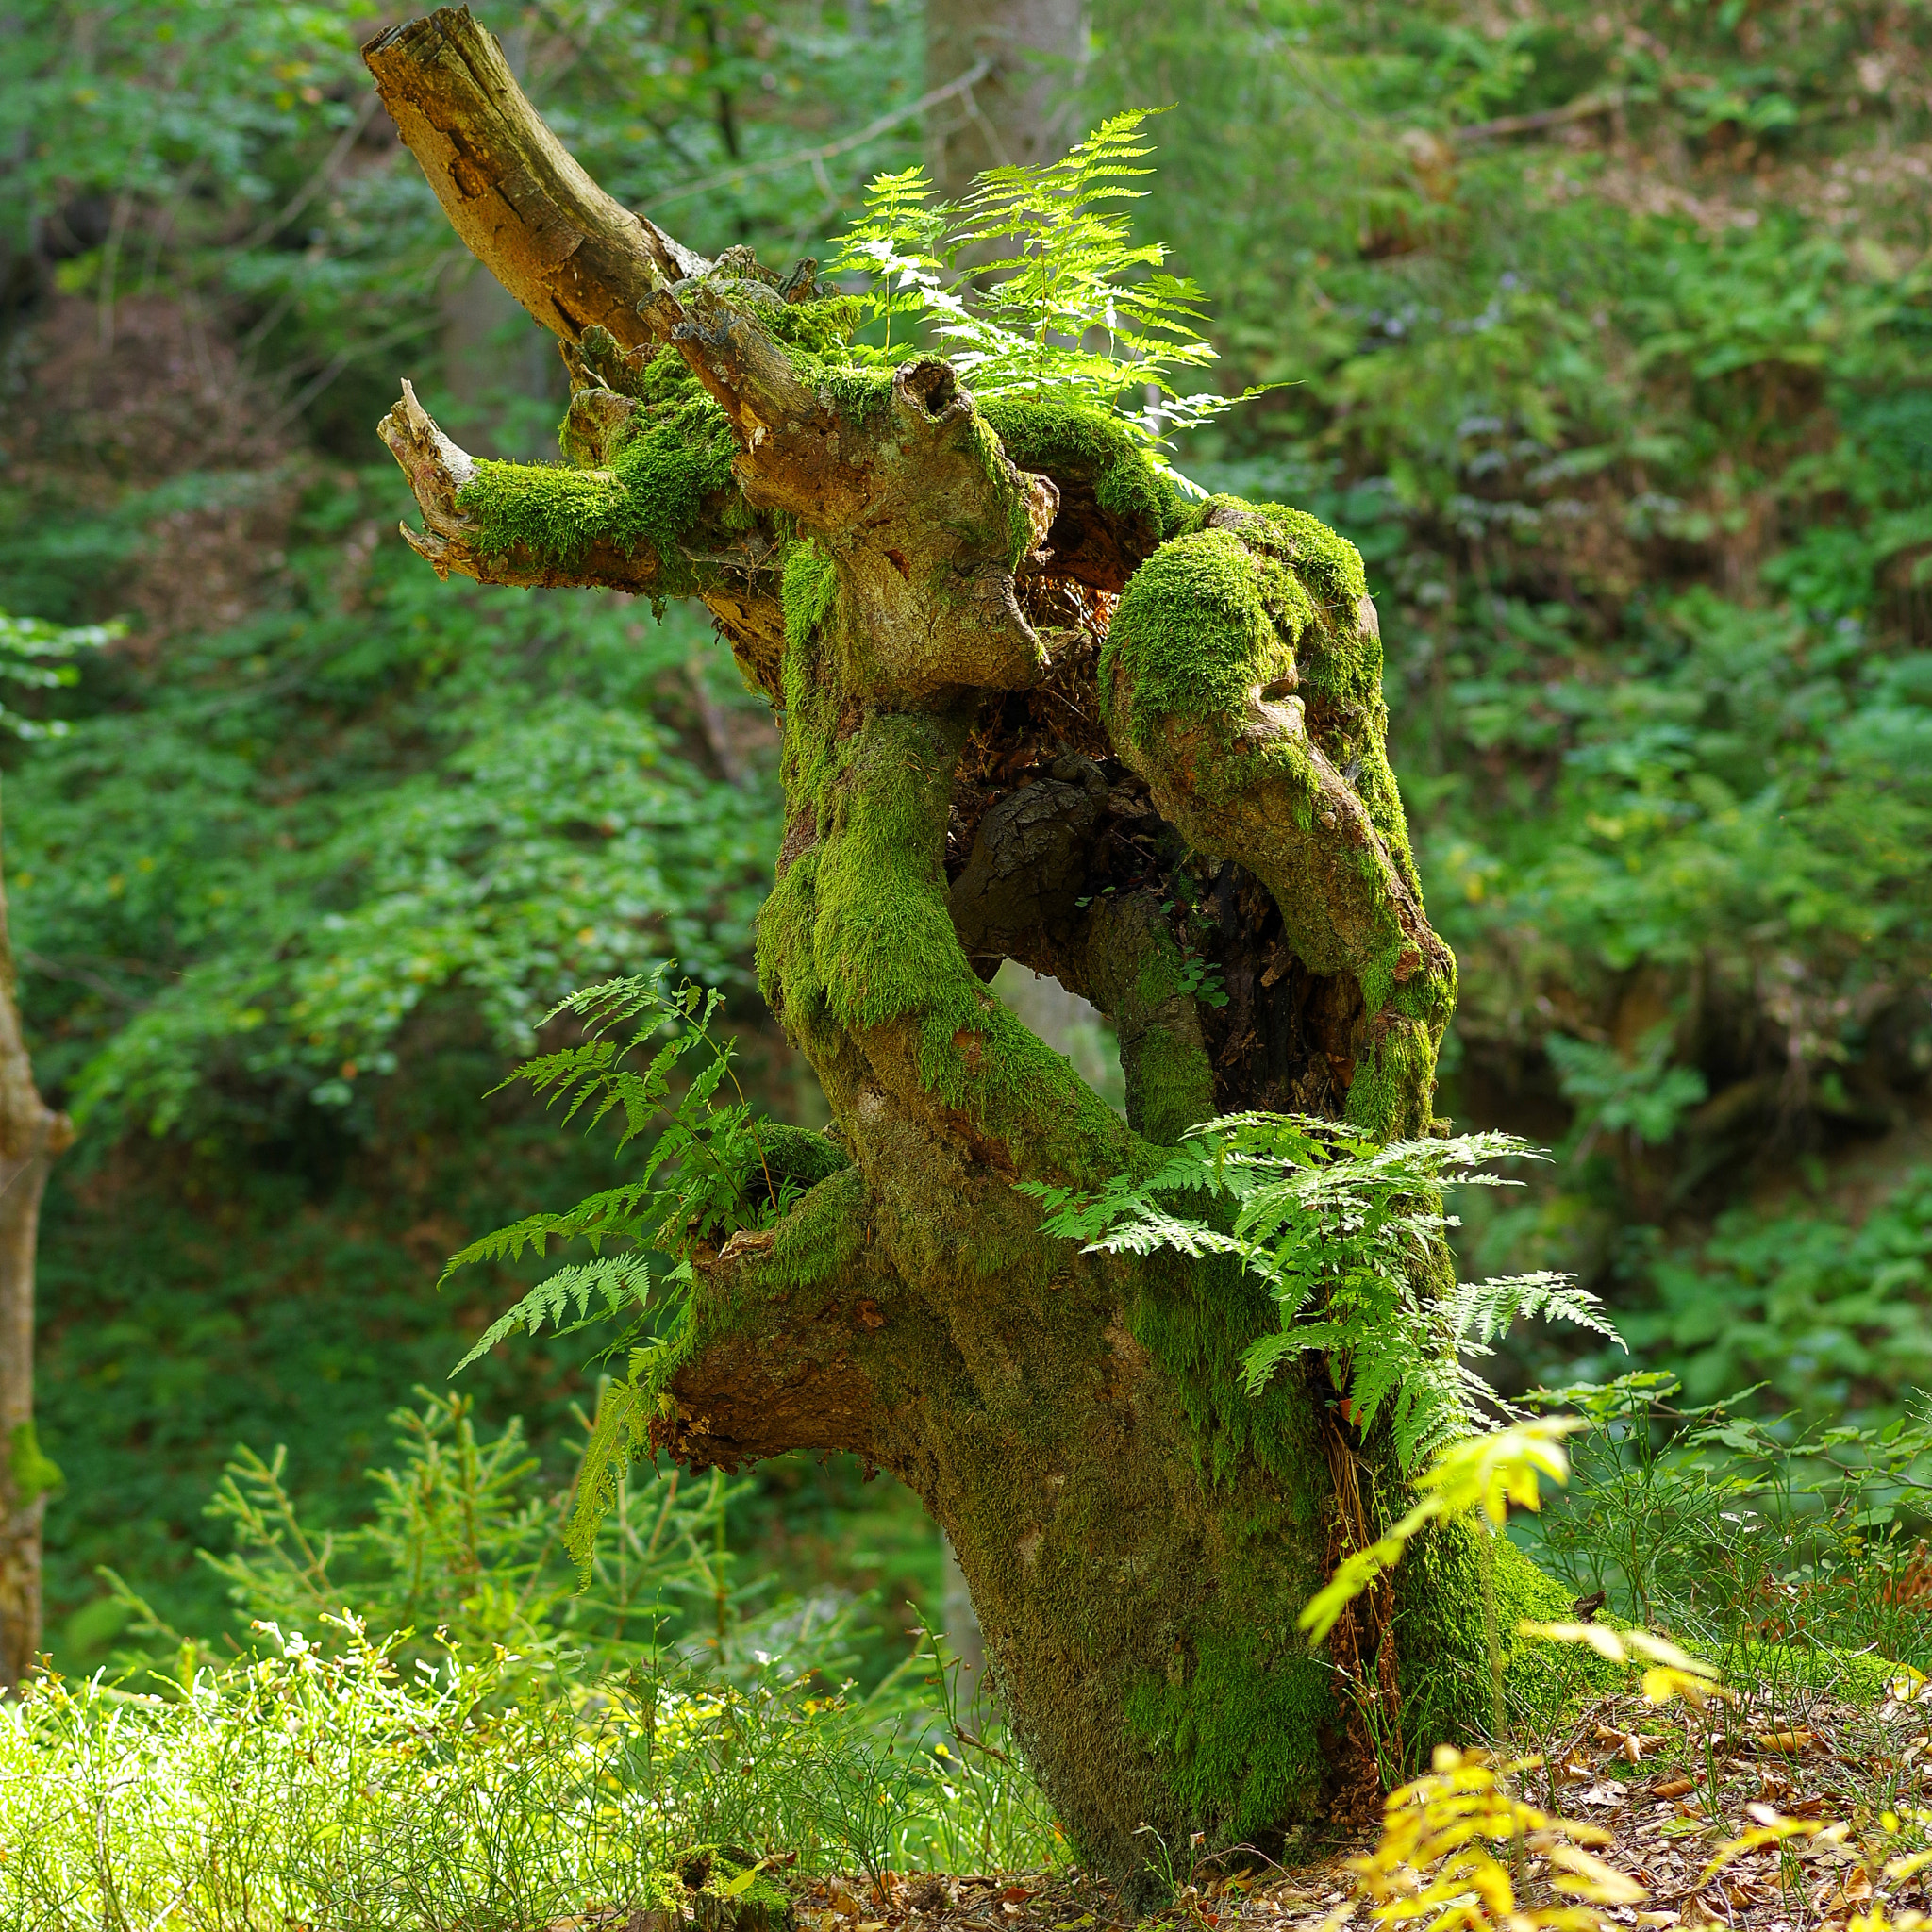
(884, 943)
(809, 588)
(1328, 563)
(993, 460)
(33, 1475)
(674, 455)
(821, 329)
(1172, 1086)
(729, 1893)
(1090, 447)
(1201, 624)
(858, 394)
(822, 1232)
(1238, 1725)
(1443, 1643)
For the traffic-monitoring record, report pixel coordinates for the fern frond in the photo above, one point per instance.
(1484, 1308)
(621, 1432)
(598, 1217)
(620, 1279)
(1343, 1232)
(1064, 267)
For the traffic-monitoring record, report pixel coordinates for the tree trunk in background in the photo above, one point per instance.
(31, 1135)
(1022, 113)
(493, 360)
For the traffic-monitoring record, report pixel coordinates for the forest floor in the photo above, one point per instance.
(1830, 1786)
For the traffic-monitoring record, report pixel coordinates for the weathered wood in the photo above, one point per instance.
(567, 251)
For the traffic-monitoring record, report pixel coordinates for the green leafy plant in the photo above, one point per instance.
(465, 1552)
(704, 1176)
(1748, 1534)
(1347, 1236)
(1034, 285)
(37, 656)
(1643, 1095)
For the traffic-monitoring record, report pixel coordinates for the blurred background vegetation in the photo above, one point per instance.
(1604, 329)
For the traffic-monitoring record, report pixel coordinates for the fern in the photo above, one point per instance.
(1341, 1232)
(624, 1281)
(649, 1061)
(1070, 308)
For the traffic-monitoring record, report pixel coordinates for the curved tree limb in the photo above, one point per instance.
(1256, 716)
(567, 251)
(737, 568)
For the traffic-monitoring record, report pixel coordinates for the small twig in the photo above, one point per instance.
(802, 156)
(1584, 110)
(966, 1737)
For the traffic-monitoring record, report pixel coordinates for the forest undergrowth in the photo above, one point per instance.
(430, 1722)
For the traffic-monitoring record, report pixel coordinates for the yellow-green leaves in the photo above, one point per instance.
(1487, 1474)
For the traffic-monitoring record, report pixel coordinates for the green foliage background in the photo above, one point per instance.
(1605, 330)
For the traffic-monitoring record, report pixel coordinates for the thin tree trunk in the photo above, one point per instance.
(31, 1136)
(1019, 115)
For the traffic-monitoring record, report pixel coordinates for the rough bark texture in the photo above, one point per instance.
(31, 1136)
(1038, 707)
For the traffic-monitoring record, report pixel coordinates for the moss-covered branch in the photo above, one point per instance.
(654, 511)
(1242, 677)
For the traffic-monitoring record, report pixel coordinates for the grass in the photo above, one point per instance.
(324, 1783)
(432, 1725)
(458, 1739)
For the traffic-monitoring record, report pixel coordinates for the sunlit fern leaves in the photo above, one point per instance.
(703, 1178)
(1034, 284)
(1346, 1234)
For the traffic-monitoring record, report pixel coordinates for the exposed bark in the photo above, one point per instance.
(1178, 804)
(569, 253)
(32, 1135)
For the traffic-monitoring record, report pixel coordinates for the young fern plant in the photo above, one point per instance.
(1345, 1234)
(706, 1175)
(1068, 307)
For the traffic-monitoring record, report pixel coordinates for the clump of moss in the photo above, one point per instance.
(1447, 1588)
(675, 452)
(822, 329)
(1088, 445)
(807, 591)
(1396, 1076)
(1239, 1723)
(1328, 563)
(730, 1893)
(1201, 624)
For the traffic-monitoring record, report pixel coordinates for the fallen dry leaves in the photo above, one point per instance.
(1806, 1815)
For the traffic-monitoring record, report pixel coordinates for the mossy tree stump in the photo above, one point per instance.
(1036, 706)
